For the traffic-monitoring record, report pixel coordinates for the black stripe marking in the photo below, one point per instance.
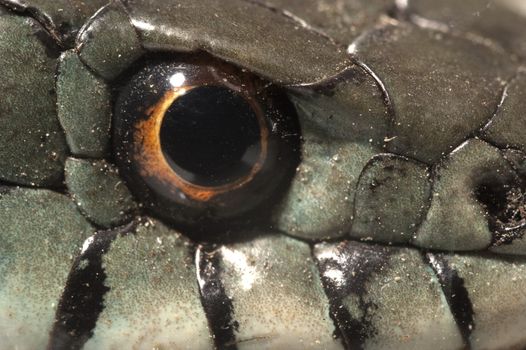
(218, 307)
(82, 299)
(456, 294)
(356, 263)
(5, 190)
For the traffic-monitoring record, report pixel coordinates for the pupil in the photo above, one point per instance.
(211, 136)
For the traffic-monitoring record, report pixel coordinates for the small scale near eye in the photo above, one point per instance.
(198, 138)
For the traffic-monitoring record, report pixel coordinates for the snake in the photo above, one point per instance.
(262, 174)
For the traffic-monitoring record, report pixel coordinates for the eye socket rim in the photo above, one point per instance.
(153, 159)
(248, 204)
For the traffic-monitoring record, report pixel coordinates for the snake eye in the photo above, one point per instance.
(198, 138)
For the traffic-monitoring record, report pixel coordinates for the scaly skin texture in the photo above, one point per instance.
(401, 229)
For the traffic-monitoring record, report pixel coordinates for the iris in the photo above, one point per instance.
(198, 138)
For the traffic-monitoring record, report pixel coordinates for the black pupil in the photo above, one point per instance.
(211, 136)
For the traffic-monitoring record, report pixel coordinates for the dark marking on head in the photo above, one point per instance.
(505, 203)
(218, 307)
(507, 237)
(5, 190)
(356, 262)
(82, 300)
(62, 32)
(456, 294)
(517, 159)
(511, 224)
(50, 44)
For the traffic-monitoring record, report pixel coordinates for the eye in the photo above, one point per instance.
(201, 139)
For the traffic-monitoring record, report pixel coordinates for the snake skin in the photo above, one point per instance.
(395, 232)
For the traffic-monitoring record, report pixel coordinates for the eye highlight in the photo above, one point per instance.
(201, 138)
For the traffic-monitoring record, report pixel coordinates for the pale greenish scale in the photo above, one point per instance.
(41, 234)
(160, 274)
(99, 192)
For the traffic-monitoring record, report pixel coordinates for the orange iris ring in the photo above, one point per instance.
(152, 161)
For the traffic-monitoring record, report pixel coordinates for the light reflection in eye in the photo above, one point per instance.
(177, 80)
